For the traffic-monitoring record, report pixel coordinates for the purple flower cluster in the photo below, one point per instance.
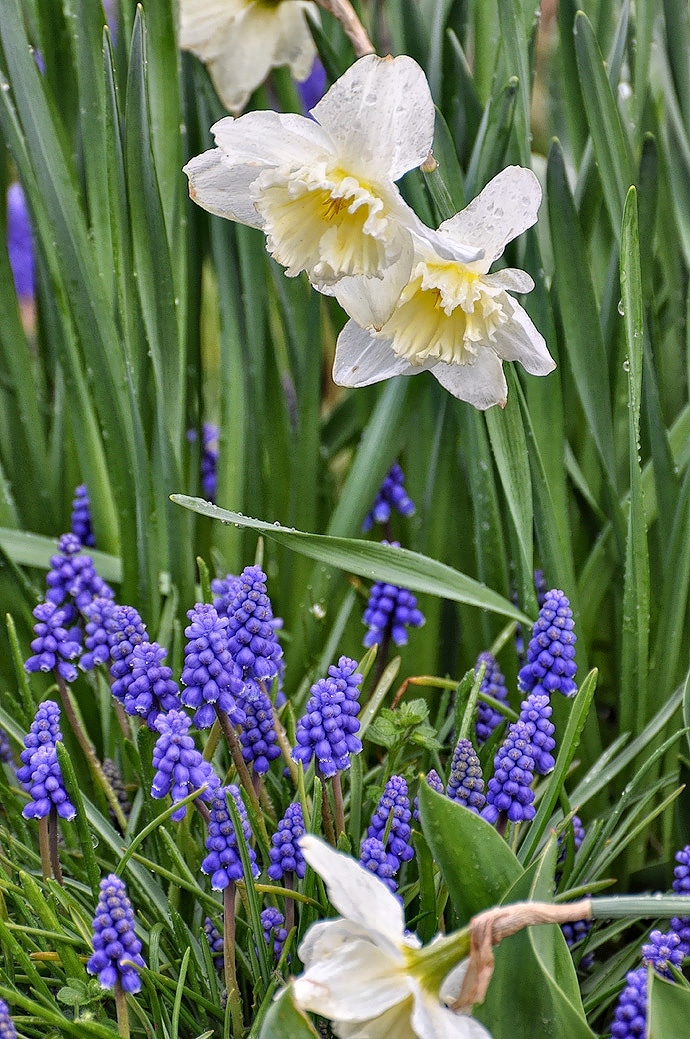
(19, 242)
(390, 612)
(465, 782)
(215, 941)
(286, 855)
(510, 788)
(209, 457)
(662, 951)
(180, 768)
(73, 579)
(630, 1018)
(383, 864)
(551, 663)
(258, 737)
(81, 516)
(125, 630)
(252, 639)
(149, 688)
(210, 674)
(40, 769)
(494, 685)
(328, 729)
(44, 732)
(536, 712)
(116, 948)
(272, 922)
(393, 814)
(7, 1029)
(98, 616)
(223, 861)
(53, 645)
(5, 748)
(435, 782)
(681, 885)
(392, 495)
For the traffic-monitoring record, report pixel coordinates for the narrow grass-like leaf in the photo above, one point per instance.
(368, 559)
(85, 837)
(516, 62)
(492, 137)
(636, 593)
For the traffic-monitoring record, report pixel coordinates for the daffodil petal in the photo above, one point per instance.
(431, 1020)
(355, 892)
(371, 301)
(512, 279)
(355, 983)
(394, 1022)
(519, 340)
(381, 113)
(362, 359)
(506, 207)
(221, 189)
(481, 384)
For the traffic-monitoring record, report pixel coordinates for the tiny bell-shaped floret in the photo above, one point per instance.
(116, 948)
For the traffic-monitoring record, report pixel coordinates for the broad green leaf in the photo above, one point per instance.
(476, 863)
(516, 64)
(285, 1020)
(492, 138)
(668, 1008)
(34, 550)
(369, 559)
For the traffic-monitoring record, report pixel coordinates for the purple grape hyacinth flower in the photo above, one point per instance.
(286, 854)
(272, 922)
(394, 804)
(390, 612)
(551, 663)
(252, 639)
(209, 457)
(258, 737)
(215, 941)
(72, 580)
(465, 782)
(630, 1018)
(224, 590)
(81, 516)
(47, 787)
(494, 685)
(19, 242)
(435, 782)
(126, 630)
(662, 951)
(681, 885)
(383, 864)
(536, 712)
(7, 1029)
(211, 676)
(54, 647)
(223, 862)
(510, 788)
(180, 768)
(149, 689)
(391, 495)
(98, 616)
(328, 728)
(116, 948)
(312, 88)
(44, 732)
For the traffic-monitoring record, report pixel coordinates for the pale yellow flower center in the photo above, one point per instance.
(445, 312)
(326, 221)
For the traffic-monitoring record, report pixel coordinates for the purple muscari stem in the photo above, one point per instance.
(47, 787)
(44, 732)
(180, 768)
(663, 951)
(81, 516)
(149, 689)
(494, 685)
(383, 864)
(272, 923)
(435, 782)
(126, 630)
(72, 579)
(19, 242)
(7, 1029)
(210, 674)
(98, 616)
(551, 663)
(258, 737)
(395, 801)
(509, 790)
(391, 495)
(116, 948)
(681, 885)
(465, 782)
(327, 729)
(252, 639)
(390, 612)
(535, 712)
(223, 861)
(630, 1018)
(215, 941)
(286, 855)
(54, 646)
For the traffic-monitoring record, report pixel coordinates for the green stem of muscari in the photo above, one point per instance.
(121, 1010)
(229, 960)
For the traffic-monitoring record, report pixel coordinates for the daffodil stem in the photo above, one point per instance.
(121, 1010)
(229, 960)
(352, 27)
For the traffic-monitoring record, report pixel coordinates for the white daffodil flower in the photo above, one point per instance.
(323, 189)
(453, 318)
(240, 41)
(365, 973)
